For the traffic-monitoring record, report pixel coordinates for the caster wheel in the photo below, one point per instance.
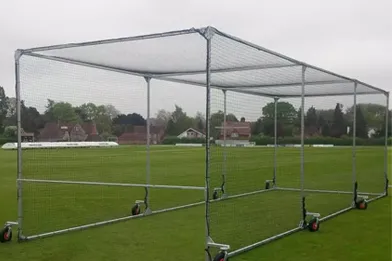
(5, 235)
(215, 195)
(362, 204)
(267, 185)
(136, 210)
(314, 225)
(220, 257)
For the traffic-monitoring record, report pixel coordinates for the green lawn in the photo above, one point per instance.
(357, 235)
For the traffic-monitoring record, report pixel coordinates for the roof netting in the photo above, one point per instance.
(181, 56)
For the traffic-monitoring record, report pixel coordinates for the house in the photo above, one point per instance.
(55, 132)
(236, 130)
(27, 136)
(191, 133)
(139, 135)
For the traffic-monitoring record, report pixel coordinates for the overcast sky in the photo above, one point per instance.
(350, 37)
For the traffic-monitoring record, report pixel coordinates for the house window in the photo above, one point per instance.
(234, 135)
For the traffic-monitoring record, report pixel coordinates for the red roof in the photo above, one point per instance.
(55, 130)
(242, 128)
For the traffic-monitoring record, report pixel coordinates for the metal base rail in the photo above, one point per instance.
(329, 191)
(294, 230)
(111, 221)
(236, 252)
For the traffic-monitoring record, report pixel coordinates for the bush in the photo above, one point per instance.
(344, 141)
(4, 140)
(174, 140)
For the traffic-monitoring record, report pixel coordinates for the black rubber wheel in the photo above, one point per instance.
(215, 195)
(267, 185)
(5, 235)
(314, 225)
(220, 257)
(136, 210)
(361, 204)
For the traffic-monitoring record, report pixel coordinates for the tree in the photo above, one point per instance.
(64, 112)
(285, 111)
(133, 119)
(3, 108)
(339, 126)
(11, 106)
(61, 112)
(88, 111)
(381, 131)
(10, 132)
(179, 122)
(361, 125)
(125, 123)
(200, 121)
(257, 127)
(374, 114)
(163, 117)
(112, 111)
(286, 116)
(311, 125)
(323, 125)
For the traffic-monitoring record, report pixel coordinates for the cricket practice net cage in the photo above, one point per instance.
(267, 125)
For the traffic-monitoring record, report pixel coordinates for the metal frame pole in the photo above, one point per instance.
(148, 159)
(386, 144)
(275, 138)
(18, 54)
(354, 150)
(224, 144)
(302, 142)
(208, 36)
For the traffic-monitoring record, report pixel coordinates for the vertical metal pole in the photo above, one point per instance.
(386, 144)
(354, 150)
(302, 140)
(224, 144)
(18, 54)
(148, 141)
(208, 36)
(275, 138)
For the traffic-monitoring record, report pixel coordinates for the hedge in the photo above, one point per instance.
(4, 140)
(175, 140)
(344, 141)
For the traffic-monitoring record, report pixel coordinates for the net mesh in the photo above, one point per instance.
(243, 152)
(68, 102)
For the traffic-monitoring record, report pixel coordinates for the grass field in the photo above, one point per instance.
(357, 235)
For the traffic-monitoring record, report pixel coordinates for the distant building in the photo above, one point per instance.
(139, 135)
(191, 133)
(236, 130)
(55, 132)
(27, 136)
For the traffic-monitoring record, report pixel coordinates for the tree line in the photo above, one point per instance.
(109, 121)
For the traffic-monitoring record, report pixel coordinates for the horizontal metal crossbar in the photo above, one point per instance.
(115, 40)
(293, 84)
(110, 184)
(226, 70)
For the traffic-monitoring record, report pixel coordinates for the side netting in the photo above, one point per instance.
(280, 164)
(248, 208)
(66, 189)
